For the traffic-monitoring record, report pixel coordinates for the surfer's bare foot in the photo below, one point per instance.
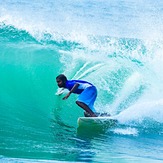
(86, 114)
(93, 115)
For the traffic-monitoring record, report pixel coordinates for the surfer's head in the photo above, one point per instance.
(61, 80)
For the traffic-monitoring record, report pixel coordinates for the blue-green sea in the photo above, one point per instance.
(116, 45)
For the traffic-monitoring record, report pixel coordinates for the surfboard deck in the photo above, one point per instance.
(94, 122)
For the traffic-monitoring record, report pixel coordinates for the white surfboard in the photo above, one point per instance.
(95, 122)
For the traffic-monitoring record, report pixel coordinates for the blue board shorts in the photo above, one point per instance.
(88, 97)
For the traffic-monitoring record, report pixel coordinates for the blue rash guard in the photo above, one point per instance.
(87, 92)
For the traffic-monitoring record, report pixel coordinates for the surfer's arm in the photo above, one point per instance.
(71, 91)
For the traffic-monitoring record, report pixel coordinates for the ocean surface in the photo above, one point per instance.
(117, 45)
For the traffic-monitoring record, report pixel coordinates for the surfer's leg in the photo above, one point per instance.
(86, 108)
(86, 101)
(86, 114)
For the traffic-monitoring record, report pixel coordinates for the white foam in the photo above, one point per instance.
(126, 131)
(141, 111)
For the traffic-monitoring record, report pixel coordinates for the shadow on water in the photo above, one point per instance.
(91, 132)
(93, 141)
(79, 144)
(74, 144)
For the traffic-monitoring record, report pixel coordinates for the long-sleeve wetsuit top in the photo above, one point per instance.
(82, 85)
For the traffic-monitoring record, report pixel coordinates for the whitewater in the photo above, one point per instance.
(116, 45)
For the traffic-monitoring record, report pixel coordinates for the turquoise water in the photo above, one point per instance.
(117, 46)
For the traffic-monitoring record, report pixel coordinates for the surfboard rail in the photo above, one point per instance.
(93, 122)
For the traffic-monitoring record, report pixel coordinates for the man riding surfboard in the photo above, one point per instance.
(87, 93)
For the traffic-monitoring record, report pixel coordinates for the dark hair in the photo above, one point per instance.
(62, 77)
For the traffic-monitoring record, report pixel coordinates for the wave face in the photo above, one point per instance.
(115, 46)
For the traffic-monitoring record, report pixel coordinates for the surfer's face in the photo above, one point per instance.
(60, 83)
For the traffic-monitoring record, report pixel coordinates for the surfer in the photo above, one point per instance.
(87, 93)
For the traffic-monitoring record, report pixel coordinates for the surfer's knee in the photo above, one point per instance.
(78, 103)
